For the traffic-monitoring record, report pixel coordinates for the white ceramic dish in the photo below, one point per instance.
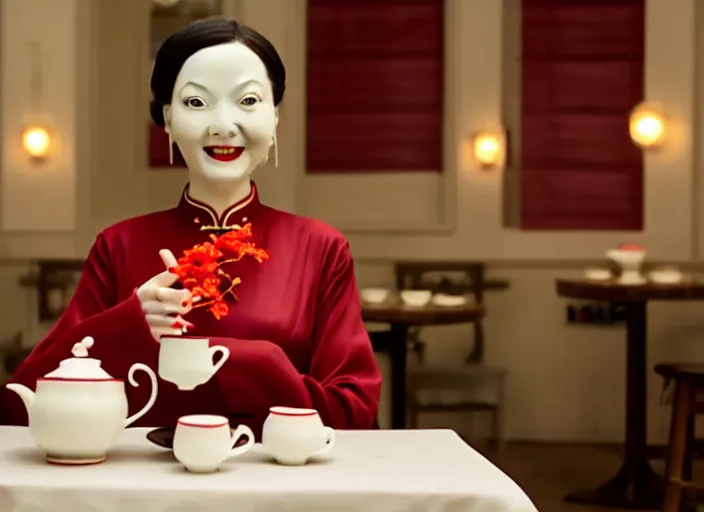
(627, 257)
(416, 298)
(630, 262)
(666, 276)
(448, 301)
(597, 274)
(374, 295)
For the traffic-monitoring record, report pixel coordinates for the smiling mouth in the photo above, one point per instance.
(223, 153)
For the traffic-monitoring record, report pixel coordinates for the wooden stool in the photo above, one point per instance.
(689, 381)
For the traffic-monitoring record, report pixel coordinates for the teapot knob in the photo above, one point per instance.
(80, 349)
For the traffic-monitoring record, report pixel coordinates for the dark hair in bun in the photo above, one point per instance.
(202, 34)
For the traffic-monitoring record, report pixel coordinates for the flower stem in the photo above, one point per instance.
(231, 260)
(233, 282)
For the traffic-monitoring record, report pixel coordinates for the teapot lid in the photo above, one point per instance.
(80, 366)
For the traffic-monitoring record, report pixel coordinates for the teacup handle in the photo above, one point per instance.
(329, 444)
(225, 354)
(241, 430)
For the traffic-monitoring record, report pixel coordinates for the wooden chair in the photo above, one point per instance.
(688, 380)
(452, 388)
(12, 354)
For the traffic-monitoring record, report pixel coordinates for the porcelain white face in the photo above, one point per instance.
(222, 114)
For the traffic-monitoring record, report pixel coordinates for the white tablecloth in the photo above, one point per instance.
(370, 471)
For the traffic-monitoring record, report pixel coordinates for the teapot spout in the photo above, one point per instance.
(26, 394)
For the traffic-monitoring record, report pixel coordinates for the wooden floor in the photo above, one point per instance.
(547, 472)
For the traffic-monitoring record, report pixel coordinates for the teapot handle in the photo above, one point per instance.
(133, 382)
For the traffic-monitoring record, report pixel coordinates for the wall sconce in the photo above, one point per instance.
(37, 141)
(647, 125)
(489, 149)
(165, 3)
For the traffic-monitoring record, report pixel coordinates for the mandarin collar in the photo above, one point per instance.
(234, 217)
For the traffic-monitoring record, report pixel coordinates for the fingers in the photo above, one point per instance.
(180, 301)
(182, 297)
(151, 290)
(176, 322)
(158, 332)
(166, 278)
(163, 325)
(168, 258)
(157, 307)
(163, 280)
(162, 305)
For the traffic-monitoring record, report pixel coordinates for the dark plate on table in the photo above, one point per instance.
(164, 436)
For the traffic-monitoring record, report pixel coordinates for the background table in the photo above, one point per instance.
(370, 471)
(401, 318)
(635, 485)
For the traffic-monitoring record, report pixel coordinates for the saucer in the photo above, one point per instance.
(164, 437)
(597, 274)
(448, 301)
(666, 276)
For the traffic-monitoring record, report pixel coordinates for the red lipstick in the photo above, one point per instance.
(223, 153)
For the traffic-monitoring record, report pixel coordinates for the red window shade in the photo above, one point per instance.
(582, 74)
(375, 85)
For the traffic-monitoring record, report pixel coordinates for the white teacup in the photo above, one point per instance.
(292, 436)
(202, 442)
(188, 362)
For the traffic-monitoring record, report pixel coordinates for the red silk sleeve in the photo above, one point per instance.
(344, 380)
(119, 330)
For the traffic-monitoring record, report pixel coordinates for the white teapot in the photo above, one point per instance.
(79, 410)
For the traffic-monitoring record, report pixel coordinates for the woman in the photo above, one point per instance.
(295, 332)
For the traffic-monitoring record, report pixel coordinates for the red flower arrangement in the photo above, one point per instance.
(200, 268)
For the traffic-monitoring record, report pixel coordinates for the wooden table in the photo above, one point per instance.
(401, 318)
(635, 485)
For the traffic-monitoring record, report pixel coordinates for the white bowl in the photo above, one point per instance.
(449, 301)
(375, 295)
(666, 276)
(597, 274)
(626, 257)
(416, 298)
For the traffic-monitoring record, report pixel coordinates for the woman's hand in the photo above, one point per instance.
(162, 305)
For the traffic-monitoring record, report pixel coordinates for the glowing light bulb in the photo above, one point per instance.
(648, 130)
(36, 141)
(488, 150)
(647, 126)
